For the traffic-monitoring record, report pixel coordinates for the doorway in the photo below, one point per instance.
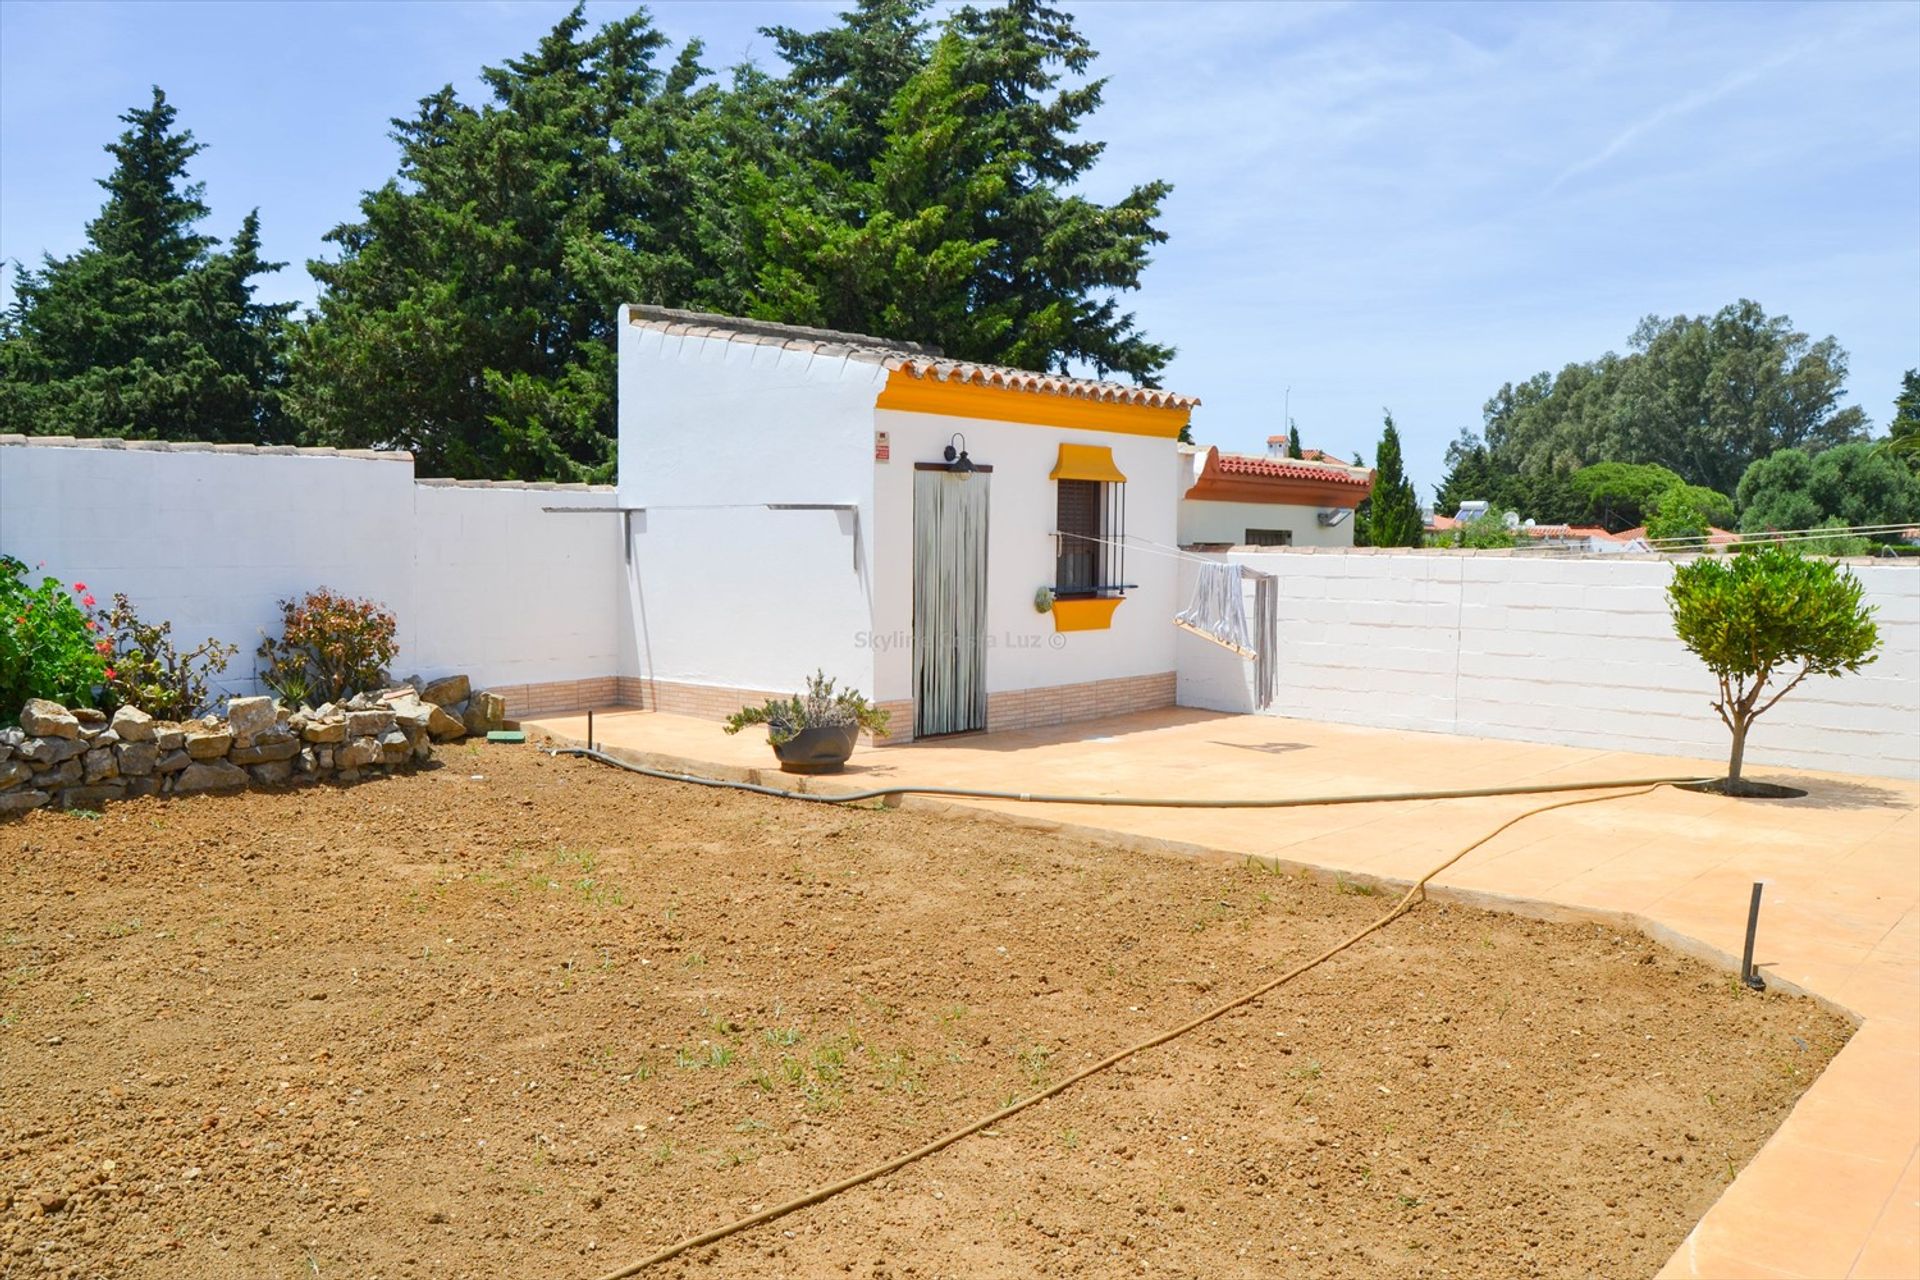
(949, 600)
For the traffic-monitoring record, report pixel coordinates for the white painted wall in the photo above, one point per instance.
(510, 592)
(211, 538)
(1568, 651)
(723, 591)
(727, 593)
(1207, 521)
(1025, 652)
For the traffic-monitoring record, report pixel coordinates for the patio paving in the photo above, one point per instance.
(1834, 1193)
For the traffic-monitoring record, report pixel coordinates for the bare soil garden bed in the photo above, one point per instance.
(518, 1016)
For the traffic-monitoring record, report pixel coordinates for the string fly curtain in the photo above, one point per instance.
(949, 601)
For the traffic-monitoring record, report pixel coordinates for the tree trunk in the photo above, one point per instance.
(1740, 728)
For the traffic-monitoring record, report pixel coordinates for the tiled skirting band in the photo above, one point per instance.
(1015, 709)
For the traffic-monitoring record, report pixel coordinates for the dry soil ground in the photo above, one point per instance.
(518, 1016)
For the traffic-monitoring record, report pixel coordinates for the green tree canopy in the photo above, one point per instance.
(147, 332)
(1389, 515)
(897, 180)
(1757, 616)
(1473, 474)
(969, 141)
(1625, 495)
(1849, 486)
(1702, 396)
(1679, 522)
(1621, 495)
(1293, 440)
(470, 314)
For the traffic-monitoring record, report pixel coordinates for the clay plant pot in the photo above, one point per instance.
(820, 749)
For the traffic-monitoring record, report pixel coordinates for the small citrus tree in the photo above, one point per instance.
(1759, 615)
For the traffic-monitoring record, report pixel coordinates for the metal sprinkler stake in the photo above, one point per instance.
(1749, 977)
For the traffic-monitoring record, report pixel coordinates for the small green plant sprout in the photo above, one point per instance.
(1763, 621)
(819, 707)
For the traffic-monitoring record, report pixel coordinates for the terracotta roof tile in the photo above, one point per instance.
(1240, 464)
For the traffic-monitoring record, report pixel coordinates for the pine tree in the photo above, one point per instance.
(1293, 440)
(1391, 515)
(147, 332)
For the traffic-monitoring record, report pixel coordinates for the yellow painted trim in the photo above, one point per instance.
(1094, 613)
(909, 394)
(1086, 462)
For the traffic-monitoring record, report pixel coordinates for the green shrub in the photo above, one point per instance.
(48, 645)
(1836, 543)
(330, 646)
(148, 672)
(1485, 533)
(1679, 524)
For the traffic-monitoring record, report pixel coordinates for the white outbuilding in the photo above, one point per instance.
(1231, 499)
(972, 546)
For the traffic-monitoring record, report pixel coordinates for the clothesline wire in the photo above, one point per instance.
(1149, 546)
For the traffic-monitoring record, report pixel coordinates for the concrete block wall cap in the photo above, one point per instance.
(199, 446)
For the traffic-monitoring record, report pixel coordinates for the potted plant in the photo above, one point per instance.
(814, 731)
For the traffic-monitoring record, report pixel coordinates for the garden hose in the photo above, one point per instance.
(1134, 802)
(1615, 790)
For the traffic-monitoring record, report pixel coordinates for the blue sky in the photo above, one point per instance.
(1374, 205)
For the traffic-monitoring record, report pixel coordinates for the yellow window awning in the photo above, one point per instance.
(1087, 462)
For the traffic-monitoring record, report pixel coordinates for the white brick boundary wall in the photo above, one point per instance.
(211, 537)
(1546, 649)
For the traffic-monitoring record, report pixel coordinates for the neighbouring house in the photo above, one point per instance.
(972, 546)
(1277, 448)
(1577, 539)
(1230, 499)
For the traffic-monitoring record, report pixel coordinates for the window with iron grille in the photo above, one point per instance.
(1268, 538)
(1091, 522)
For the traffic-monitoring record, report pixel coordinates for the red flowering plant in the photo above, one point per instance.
(148, 671)
(47, 646)
(330, 647)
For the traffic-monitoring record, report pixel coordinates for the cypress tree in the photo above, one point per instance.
(1391, 516)
(1046, 266)
(147, 332)
(469, 317)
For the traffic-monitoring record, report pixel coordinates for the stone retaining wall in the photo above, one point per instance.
(79, 759)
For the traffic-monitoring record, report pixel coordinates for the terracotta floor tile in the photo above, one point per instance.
(1892, 1250)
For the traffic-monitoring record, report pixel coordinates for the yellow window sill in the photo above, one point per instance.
(1091, 614)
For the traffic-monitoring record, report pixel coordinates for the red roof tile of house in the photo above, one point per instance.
(1240, 464)
(1237, 477)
